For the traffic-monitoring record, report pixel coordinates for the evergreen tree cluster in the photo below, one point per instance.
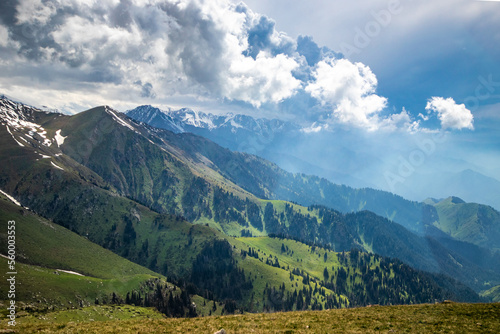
(195, 200)
(216, 271)
(166, 298)
(228, 208)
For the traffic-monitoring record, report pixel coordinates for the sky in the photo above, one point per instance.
(417, 49)
(368, 64)
(396, 68)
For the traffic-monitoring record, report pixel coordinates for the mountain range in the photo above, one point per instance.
(231, 226)
(340, 157)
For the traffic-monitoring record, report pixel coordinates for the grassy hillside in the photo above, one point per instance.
(266, 180)
(470, 222)
(492, 294)
(41, 288)
(43, 243)
(446, 318)
(59, 269)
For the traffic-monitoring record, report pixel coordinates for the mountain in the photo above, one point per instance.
(232, 131)
(468, 184)
(493, 294)
(275, 183)
(339, 156)
(125, 185)
(267, 138)
(471, 222)
(266, 180)
(58, 269)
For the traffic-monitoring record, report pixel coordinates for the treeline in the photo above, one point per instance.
(306, 298)
(362, 279)
(156, 293)
(332, 233)
(380, 280)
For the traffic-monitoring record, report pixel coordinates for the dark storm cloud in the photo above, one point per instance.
(198, 43)
(8, 11)
(146, 89)
(120, 15)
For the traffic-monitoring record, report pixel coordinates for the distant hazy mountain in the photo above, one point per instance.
(469, 185)
(335, 156)
(272, 139)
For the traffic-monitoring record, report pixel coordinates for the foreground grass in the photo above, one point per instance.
(439, 318)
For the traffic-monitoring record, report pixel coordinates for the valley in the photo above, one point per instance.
(204, 226)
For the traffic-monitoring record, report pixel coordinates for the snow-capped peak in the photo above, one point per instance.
(188, 120)
(16, 117)
(196, 118)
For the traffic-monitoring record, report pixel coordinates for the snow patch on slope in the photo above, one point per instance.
(10, 197)
(8, 130)
(59, 138)
(56, 166)
(69, 272)
(118, 119)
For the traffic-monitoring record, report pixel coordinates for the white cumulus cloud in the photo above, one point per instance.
(451, 114)
(263, 79)
(350, 89)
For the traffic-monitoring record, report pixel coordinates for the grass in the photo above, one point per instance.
(42, 247)
(493, 294)
(302, 258)
(436, 318)
(92, 313)
(43, 243)
(41, 288)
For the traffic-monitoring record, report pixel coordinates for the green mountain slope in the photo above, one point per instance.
(492, 294)
(266, 180)
(43, 243)
(59, 269)
(92, 184)
(474, 223)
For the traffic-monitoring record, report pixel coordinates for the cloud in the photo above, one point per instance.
(315, 128)
(207, 48)
(403, 120)
(249, 79)
(309, 49)
(350, 89)
(34, 12)
(451, 114)
(206, 51)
